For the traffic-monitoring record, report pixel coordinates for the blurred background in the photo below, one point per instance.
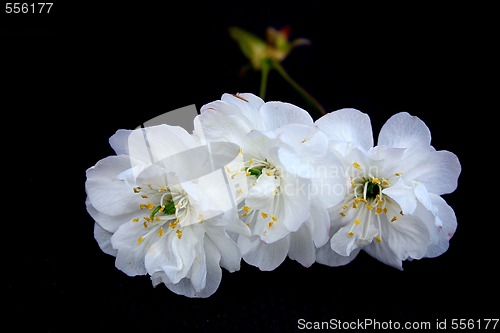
(73, 77)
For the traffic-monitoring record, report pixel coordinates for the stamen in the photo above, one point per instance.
(135, 220)
(144, 196)
(160, 231)
(139, 241)
(356, 165)
(350, 234)
(378, 239)
(394, 219)
(264, 215)
(179, 233)
(137, 189)
(246, 209)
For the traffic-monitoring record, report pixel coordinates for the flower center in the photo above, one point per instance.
(366, 204)
(166, 209)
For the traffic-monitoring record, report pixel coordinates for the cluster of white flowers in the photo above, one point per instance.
(262, 181)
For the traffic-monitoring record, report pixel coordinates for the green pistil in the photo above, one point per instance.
(255, 171)
(168, 210)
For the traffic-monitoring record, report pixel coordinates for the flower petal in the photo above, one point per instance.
(103, 238)
(108, 222)
(403, 194)
(106, 193)
(326, 256)
(347, 126)
(277, 114)
(405, 131)
(302, 247)
(264, 256)
(229, 251)
(437, 170)
(445, 214)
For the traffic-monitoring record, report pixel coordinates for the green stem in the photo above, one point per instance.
(308, 97)
(263, 79)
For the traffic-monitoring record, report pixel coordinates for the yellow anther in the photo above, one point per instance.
(274, 218)
(143, 206)
(145, 224)
(240, 152)
(244, 215)
(357, 221)
(160, 231)
(375, 181)
(246, 209)
(350, 234)
(162, 189)
(352, 183)
(137, 189)
(250, 163)
(179, 233)
(174, 223)
(268, 173)
(378, 239)
(135, 220)
(227, 169)
(264, 215)
(200, 218)
(385, 210)
(139, 241)
(150, 205)
(157, 218)
(356, 165)
(369, 207)
(270, 224)
(147, 219)
(248, 174)
(401, 212)
(150, 186)
(385, 182)
(144, 196)
(378, 210)
(162, 208)
(398, 174)
(345, 207)
(342, 214)
(395, 218)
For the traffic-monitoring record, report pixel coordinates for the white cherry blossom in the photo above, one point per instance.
(393, 208)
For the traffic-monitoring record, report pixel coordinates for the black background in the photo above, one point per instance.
(73, 77)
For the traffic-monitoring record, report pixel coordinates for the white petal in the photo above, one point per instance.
(347, 126)
(264, 256)
(302, 247)
(326, 256)
(108, 194)
(320, 220)
(403, 194)
(130, 255)
(296, 164)
(405, 131)
(249, 108)
(407, 237)
(448, 220)
(198, 270)
(260, 194)
(103, 238)
(437, 170)
(185, 287)
(229, 251)
(108, 222)
(277, 114)
(342, 243)
(383, 253)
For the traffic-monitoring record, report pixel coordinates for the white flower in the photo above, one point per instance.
(393, 209)
(163, 208)
(292, 176)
